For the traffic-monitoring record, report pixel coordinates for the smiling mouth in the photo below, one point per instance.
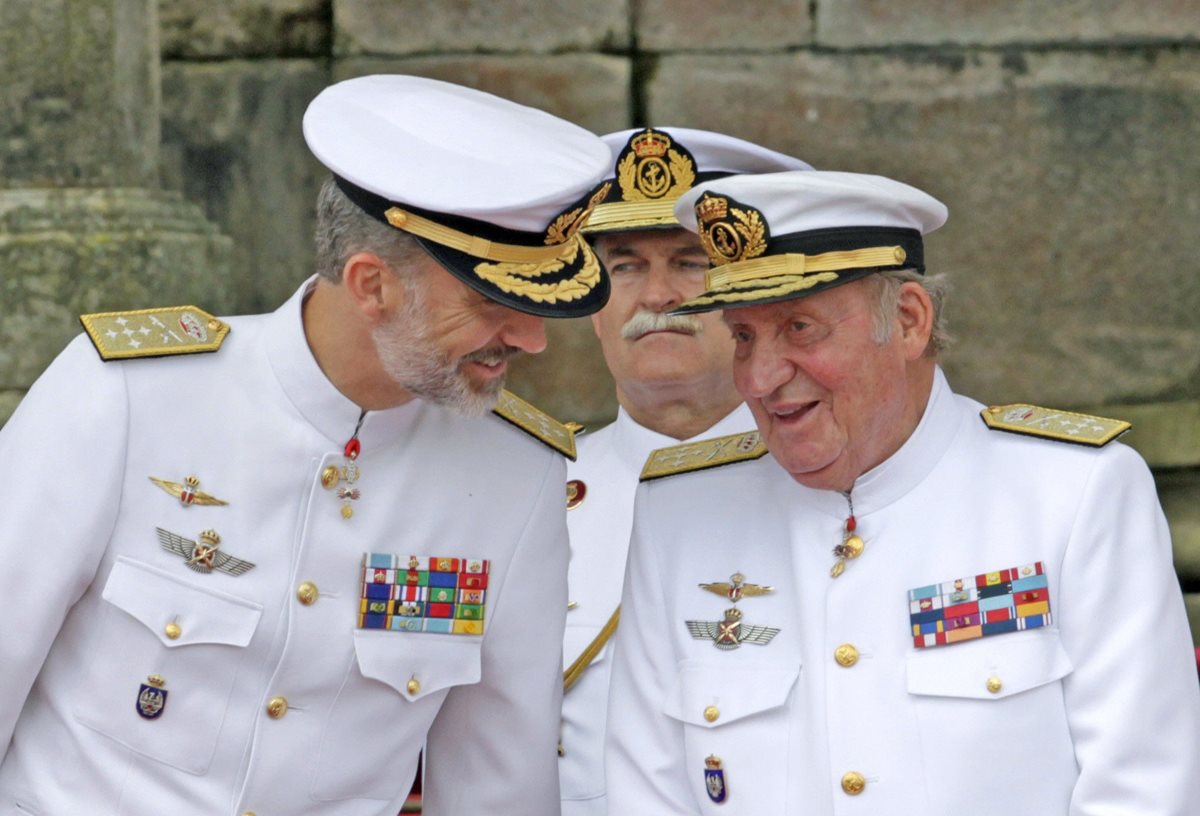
(794, 415)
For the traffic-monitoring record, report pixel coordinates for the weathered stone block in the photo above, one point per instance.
(671, 25)
(1165, 434)
(68, 252)
(1192, 600)
(232, 142)
(1178, 489)
(591, 90)
(245, 28)
(854, 23)
(1073, 185)
(78, 104)
(569, 380)
(400, 27)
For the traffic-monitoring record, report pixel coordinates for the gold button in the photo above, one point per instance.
(172, 630)
(900, 255)
(846, 655)
(994, 685)
(330, 477)
(853, 783)
(712, 713)
(414, 685)
(307, 593)
(249, 813)
(277, 707)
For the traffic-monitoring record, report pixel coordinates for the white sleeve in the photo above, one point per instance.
(644, 751)
(63, 453)
(1133, 701)
(493, 746)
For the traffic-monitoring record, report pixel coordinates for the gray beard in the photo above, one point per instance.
(412, 360)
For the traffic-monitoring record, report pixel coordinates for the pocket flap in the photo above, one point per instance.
(989, 668)
(711, 695)
(417, 664)
(156, 598)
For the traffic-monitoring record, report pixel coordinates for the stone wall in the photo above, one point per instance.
(1061, 134)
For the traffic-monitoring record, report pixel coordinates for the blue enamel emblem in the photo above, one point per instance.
(152, 699)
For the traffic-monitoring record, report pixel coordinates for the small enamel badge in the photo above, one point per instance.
(737, 588)
(576, 490)
(205, 555)
(730, 633)
(188, 493)
(714, 779)
(152, 698)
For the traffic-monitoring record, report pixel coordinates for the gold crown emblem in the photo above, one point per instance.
(713, 763)
(210, 538)
(650, 144)
(192, 482)
(156, 680)
(711, 208)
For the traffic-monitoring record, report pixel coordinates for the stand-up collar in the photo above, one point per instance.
(634, 442)
(324, 407)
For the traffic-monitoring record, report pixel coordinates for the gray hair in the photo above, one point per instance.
(888, 284)
(344, 229)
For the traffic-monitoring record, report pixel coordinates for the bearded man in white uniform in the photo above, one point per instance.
(916, 604)
(261, 579)
(674, 383)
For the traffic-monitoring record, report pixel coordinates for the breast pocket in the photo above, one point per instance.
(393, 689)
(1002, 691)
(737, 714)
(190, 638)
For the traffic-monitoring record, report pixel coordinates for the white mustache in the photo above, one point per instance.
(644, 322)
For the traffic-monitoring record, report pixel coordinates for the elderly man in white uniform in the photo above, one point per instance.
(916, 604)
(674, 383)
(259, 580)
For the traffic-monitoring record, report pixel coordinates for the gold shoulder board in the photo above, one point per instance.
(707, 453)
(1066, 426)
(154, 332)
(536, 423)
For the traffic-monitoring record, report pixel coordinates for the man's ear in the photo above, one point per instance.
(365, 277)
(914, 313)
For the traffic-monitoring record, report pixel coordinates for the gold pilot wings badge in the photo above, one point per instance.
(731, 633)
(536, 423)
(707, 453)
(154, 332)
(737, 588)
(203, 556)
(1065, 426)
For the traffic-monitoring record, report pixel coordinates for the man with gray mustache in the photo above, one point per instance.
(674, 383)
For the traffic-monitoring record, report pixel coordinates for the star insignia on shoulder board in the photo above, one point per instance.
(737, 588)
(188, 492)
(203, 556)
(731, 633)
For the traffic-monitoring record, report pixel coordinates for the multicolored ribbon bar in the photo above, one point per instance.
(992, 603)
(419, 593)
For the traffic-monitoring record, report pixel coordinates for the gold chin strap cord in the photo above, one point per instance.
(472, 244)
(796, 264)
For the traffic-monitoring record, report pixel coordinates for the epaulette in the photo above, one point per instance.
(536, 423)
(154, 332)
(1065, 426)
(704, 454)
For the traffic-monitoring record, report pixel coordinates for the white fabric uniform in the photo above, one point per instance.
(1098, 713)
(609, 463)
(86, 592)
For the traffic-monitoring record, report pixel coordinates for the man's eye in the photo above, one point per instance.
(741, 335)
(799, 325)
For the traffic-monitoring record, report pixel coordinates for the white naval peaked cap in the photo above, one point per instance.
(654, 166)
(494, 190)
(778, 236)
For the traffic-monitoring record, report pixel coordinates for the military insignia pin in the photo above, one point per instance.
(737, 588)
(152, 698)
(188, 492)
(731, 633)
(205, 555)
(714, 779)
(730, 231)
(576, 490)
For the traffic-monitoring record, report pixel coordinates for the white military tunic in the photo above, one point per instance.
(1097, 713)
(87, 595)
(609, 463)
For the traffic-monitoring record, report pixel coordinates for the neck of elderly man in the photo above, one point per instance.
(672, 374)
(838, 380)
